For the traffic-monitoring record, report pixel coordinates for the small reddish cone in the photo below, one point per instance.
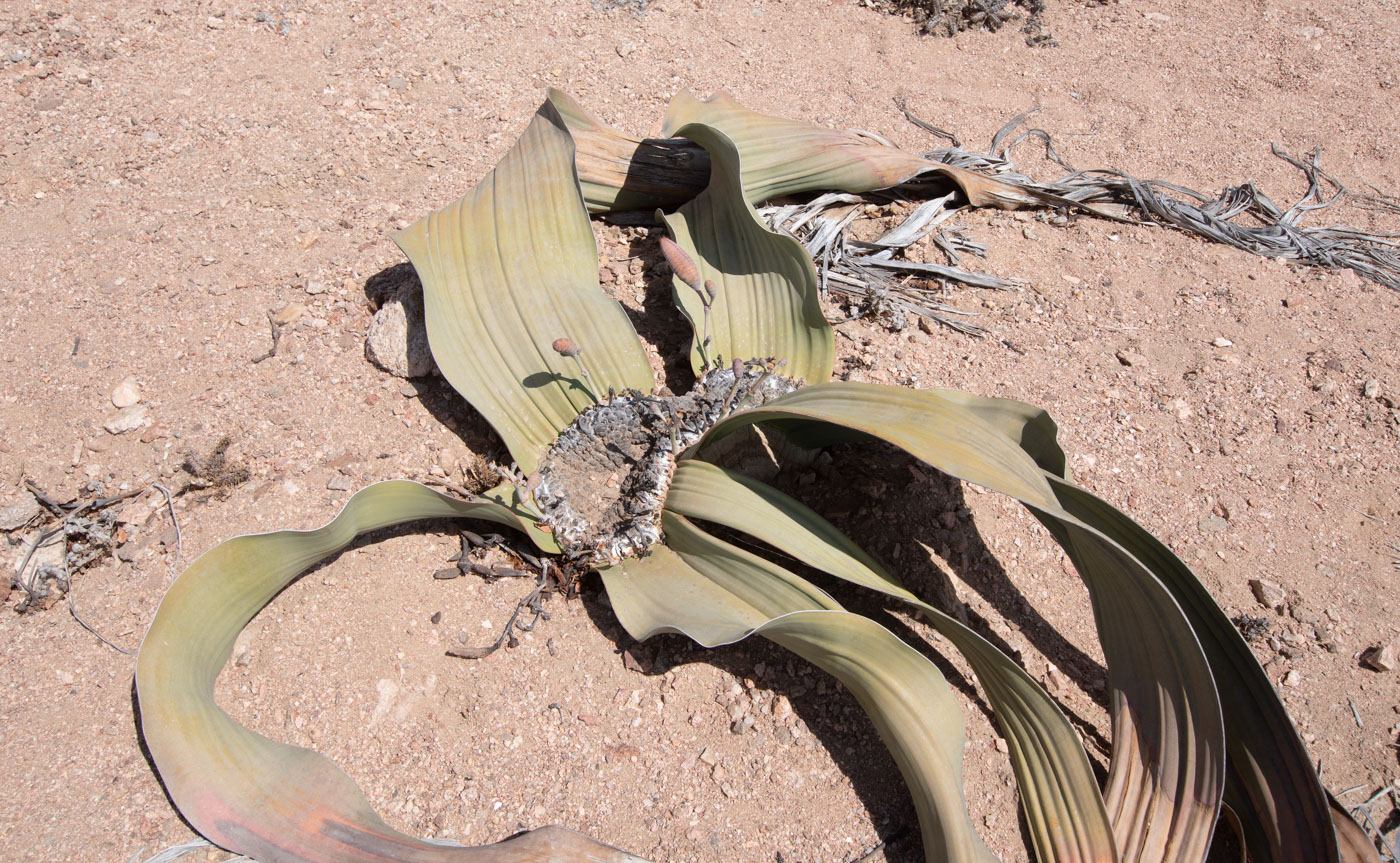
(681, 263)
(566, 348)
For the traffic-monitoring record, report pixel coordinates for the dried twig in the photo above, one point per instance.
(276, 339)
(98, 531)
(1361, 812)
(530, 602)
(73, 610)
(175, 522)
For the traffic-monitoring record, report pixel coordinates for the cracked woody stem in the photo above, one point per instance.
(519, 326)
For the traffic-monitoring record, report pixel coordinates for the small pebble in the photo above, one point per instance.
(1372, 389)
(339, 482)
(1213, 524)
(18, 514)
(1268, 594)
(127, 419)
(1131, 358)
(288, 313)
(126, 393)
(1222, 342)
(1381, 657)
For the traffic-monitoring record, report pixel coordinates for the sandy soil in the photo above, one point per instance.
(171, 171)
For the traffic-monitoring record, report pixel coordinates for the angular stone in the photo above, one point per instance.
(1131, 358)
(127, 419)
(1270, 595)
(397, 340)
(18, 513)
(1213, 524)
(288, 313)
(1381, 657)
(339, 482)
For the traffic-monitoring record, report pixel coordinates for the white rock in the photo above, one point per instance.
(128, 419)
(18, 511)
(126, 393)
(1222, 342)
(397, 340)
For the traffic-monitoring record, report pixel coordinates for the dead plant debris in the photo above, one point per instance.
(214, 469)
(951, 17)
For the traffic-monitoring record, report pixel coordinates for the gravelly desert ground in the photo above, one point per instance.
(172, 171)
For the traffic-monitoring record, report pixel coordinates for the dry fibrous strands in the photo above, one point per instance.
(1278, 233)
(865, 272)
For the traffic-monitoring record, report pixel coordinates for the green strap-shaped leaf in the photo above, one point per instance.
(274, 802)
(507, 270)
(766, 305)
(785, 157)
(914, 420)
(1028, 426)
(758, 582)
(1167, 769)
(1059, 794)
(1270, 782)
(618, 172)
(905, 696)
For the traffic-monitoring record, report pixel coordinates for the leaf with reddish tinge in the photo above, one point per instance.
(274, 802)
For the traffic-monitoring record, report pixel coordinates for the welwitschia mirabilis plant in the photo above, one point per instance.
(519, 327)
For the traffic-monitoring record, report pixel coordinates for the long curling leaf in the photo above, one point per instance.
(274, 802)
(508, 270)
(786, 157)
(1166, 773)
(766, 301)
(905, 696)
(618, 172)
(1059, 794)
(1270, 784)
